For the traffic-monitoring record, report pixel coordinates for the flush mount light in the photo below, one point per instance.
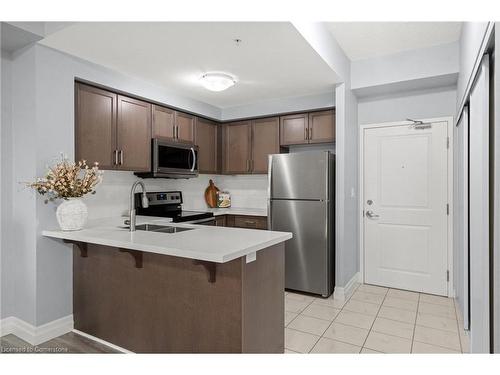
(217, 81)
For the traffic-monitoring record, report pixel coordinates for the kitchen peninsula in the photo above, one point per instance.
(190, 289)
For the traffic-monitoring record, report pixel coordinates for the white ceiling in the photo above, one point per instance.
(272, 61)
(364, 40)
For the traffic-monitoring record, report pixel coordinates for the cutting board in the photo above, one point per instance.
(211, 194)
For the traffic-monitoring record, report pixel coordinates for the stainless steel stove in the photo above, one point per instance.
(169, 204)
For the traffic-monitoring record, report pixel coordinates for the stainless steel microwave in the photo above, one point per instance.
(170, 159)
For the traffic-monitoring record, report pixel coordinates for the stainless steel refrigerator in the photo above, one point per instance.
(302, 201)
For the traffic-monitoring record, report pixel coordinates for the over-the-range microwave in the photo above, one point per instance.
(170, 159)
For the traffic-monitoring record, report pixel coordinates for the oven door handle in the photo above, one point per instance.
(194, 159)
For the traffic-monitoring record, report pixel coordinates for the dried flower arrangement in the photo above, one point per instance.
(68, 180)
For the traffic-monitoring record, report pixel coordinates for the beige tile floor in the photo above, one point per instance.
(373, 320)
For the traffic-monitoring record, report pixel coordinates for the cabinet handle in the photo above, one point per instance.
(177, 132)
(248, 222)
(121, 157)
(115, 155)
(306, 133)
(248, 165)
(310, 133)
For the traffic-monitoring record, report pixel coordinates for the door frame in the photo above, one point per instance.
(449, 120)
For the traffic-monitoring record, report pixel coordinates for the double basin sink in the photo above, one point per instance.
(161, 228)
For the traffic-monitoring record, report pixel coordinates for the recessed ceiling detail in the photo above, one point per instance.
(365, 40)
(272, 60)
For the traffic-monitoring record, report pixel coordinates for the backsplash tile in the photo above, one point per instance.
(112, 197)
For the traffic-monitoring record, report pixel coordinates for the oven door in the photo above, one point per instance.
(173, 158)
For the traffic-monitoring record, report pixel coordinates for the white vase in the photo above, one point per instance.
(72, 214)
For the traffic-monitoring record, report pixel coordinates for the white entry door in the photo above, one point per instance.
(405, 176)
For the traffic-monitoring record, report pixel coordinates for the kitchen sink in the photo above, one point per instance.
(161, 228)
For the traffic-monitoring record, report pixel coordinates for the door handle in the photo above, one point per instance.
(371, 215)
(194, 159)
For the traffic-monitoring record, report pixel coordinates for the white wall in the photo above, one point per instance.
(414, 104)
(405, 66)
(471, 40)
(6, 255)
(283, 105)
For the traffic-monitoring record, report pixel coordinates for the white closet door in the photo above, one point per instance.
(461, 214)
(479, 211)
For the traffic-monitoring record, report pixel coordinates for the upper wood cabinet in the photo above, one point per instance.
(321, 127)
(206, 138)
(163, 122)
(247, 145)
(265, 141)
(293, 129)
(112, 129)
(236, 139)
(304, 128)
(184, 127)
(95, 120)
(133, 135)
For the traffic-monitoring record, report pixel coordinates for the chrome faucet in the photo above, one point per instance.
(145, 204)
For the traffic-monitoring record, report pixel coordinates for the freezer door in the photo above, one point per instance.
(301, 175)
(308, 255)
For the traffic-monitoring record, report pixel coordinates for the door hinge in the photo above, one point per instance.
(447, 275)
(447, 209)
(447, 142)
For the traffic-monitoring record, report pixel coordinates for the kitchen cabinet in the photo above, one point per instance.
(206, 138)
(110, 128)
(184, 127)
(293, 129)
(265, 141)
(220, 221)
(163, 122)
(133, 134)
(95, 138)
(321, 127)
(307, 128)
(245, 221)
(237, 147)
(171, 124)
(247, 145)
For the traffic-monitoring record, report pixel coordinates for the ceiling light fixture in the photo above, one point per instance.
(217, 81)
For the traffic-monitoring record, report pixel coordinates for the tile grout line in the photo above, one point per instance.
(376, 316)
(415, 324)
(345, 303)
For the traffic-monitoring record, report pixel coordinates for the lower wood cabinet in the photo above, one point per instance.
(220, 221)
(206, 138)
(245, 221)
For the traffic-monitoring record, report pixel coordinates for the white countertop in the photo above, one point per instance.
(209, 243)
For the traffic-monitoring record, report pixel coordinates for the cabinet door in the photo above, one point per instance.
(321, 127)
(185, 127)
(163, 122)
(293, 129)
(206, 140)
(95, 126)
(237, 140)
(134, 134)
(265, 141)
(220, 221)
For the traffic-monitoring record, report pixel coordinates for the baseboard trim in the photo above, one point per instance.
(36, 335)
(344, 293)
(103, 342)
